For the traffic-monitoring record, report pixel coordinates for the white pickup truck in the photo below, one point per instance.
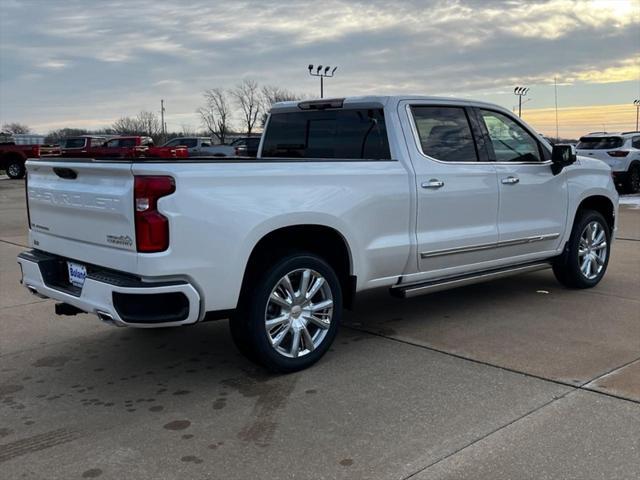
(416, 194)
(202, 147)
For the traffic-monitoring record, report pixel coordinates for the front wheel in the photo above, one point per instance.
(15, 169)
(290, 315)
(586, 255)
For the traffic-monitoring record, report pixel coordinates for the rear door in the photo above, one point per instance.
(533, 201)
(457, 192)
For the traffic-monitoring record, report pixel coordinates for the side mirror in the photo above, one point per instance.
(562, 155)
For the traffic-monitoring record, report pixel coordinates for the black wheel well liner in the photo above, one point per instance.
(8, 156)
(322, 240)
(600, 204)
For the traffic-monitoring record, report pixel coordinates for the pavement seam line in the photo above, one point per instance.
(24, 304)
(492, 432)
(13, 243)
(613, 370)
(580, 386)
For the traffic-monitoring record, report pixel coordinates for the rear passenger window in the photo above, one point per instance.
(445, 133)
(635, 143)
(341, 134)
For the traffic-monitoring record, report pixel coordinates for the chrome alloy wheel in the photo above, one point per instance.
(592, 250)
(298, 313)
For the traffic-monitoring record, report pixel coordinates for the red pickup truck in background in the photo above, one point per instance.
(118, 147)
(12, 157)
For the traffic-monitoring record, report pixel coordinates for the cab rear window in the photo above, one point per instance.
(74, 143)
(599, 143)
(340, 134)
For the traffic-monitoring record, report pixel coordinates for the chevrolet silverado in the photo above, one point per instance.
(415, 194)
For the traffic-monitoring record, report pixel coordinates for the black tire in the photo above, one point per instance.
(15, 169)
(567, 267)
(632, 182)
(248, 325)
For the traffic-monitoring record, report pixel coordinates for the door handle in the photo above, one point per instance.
(433, 183)
(510, 180)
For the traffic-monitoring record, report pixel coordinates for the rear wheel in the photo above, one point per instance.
(290, 314)
(586, 256)
(15, 169)
(632, 184)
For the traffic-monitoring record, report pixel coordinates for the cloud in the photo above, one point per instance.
(120, 56)
(577, 121)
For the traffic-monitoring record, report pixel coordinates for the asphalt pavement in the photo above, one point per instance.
(515, 379)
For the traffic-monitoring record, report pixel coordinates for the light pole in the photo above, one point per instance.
(322, 74)
(637, 104)
(162, 124)
(520, 92)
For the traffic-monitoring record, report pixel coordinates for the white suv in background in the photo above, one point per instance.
(621, 151)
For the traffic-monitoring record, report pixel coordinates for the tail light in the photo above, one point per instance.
(618, 153)
(152, 228)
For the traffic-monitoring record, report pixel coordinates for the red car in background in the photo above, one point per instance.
(118, 147)
(12, 157)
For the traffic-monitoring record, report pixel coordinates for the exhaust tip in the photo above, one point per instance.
(106, 317)
(34, 291)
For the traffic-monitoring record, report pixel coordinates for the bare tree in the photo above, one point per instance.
(247, 95)
(126, 126)
(15, 128)
(187, 130)
(149, 124)
(56, 136)
(216, 114)
(272, 94)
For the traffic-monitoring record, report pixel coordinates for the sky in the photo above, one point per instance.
(85, 63)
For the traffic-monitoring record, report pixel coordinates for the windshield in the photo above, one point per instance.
(599, 143)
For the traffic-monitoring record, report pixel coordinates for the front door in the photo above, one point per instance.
(457, 191)
(533, 201)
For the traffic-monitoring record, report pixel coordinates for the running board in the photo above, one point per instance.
(413, 290)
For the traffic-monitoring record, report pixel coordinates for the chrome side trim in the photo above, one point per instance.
(487, 246)
(446, 284)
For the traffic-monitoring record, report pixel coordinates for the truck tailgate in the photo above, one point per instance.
(81, 207)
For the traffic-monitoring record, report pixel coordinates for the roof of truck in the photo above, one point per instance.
(379, 101)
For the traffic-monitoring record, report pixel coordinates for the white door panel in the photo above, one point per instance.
(457, 201)
(533, 211)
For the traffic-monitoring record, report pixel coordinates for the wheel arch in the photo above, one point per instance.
(6, 157)
(325, 241)
(602, 204)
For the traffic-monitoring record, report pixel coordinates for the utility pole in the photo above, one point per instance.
(520, 92)
(162, 124)
(555, 87)
(637, 104)
(322, 75)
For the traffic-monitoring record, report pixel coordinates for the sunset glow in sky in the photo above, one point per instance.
(86, 63)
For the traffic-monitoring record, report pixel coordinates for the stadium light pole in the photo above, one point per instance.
(637, 104)
(520, 92)
(322, 74)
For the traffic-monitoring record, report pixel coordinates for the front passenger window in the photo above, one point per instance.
(511, 142)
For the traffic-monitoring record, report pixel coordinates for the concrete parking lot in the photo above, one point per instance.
(515, 379)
